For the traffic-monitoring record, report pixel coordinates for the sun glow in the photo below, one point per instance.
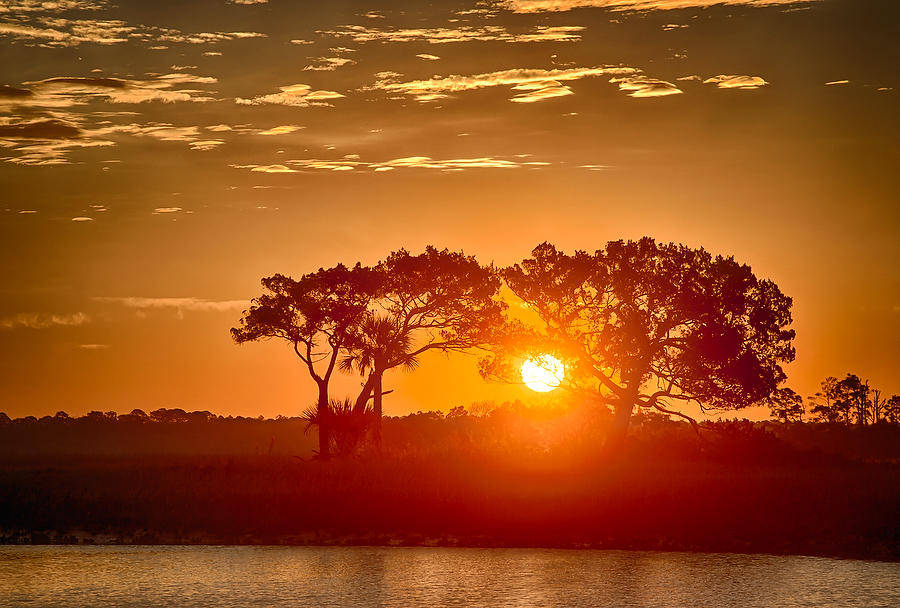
(543, 373)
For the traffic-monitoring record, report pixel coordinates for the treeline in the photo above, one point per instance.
(848, 401)
(162, 431)
(559, 430)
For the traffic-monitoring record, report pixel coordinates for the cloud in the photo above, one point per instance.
(68, 91)
(162, 210)
(442, 35)
(537, 6)
(160, 131)
(38, 23)
(69, 32)
(180, 304)
(427, 57)
(82, 219)
(298, 95)
(206, 144)
(48, 142)
(40, 129)
(265, 168)
(641, 86)
(41, 320)
(247, 2)
(352, 162)
(93, 346)
(328, 64)
(51, 6)
(747, 83)
(541, 94)
(834, 82)
(206, 37)
(44, 142)
(281, 130)
(532, 80)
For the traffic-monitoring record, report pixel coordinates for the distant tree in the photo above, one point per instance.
(786, 405)
(822, 403)
(892, 409)
(642, 324)
(4, 418)
(169, 415)
(317, 315)
(852, 397)
(438, 300)
(877, 406)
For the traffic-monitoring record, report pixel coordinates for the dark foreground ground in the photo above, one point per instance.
(746, 491)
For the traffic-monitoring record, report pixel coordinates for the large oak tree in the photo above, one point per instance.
(438, 300)
(318, 315)
(641, 324)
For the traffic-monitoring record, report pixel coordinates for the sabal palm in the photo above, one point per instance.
(380, 345)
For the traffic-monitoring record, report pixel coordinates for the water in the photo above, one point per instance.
(49, 576)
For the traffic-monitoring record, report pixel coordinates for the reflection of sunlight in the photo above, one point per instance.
(543, 373)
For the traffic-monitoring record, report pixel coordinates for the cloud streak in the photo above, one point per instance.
(746, 83)
(539, 84)
(41, 320)
(297, 95)
(442, 35)
(539, 6)
(181, 304)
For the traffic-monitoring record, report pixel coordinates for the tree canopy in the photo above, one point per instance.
(644, 324)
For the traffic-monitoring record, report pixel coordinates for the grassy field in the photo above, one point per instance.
(509, 479)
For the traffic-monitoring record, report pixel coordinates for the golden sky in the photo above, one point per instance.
(158, 158)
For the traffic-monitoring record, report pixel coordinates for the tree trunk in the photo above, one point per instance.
(376, 406)
(621, 421)
(363, 399)
(324, 423)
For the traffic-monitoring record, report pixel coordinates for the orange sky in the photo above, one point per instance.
(159, 158)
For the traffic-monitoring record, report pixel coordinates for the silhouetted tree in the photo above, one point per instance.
(642, 324)
(845, 401)
(892, 409)
(821, 404)
(347, 424)
(786, 405)
(438, 300)
(317, 315)
(853, 398)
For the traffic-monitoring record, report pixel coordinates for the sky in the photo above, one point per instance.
(158, 158)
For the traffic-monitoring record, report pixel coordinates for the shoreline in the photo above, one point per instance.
(154, 539)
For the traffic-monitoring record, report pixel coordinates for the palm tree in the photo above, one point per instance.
(347, 425)
(379, 345)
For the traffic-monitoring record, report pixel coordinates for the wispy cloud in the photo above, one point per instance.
(442, 35)
(352, 162)
(68, 91)
(641, 86)
(328, 64)
(532, 80)
(182, 304)
(41, 320)
(736, 82)
(281, 130)
(298, 95)
(537, 6)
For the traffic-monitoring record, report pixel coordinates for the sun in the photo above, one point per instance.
(543, 373)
